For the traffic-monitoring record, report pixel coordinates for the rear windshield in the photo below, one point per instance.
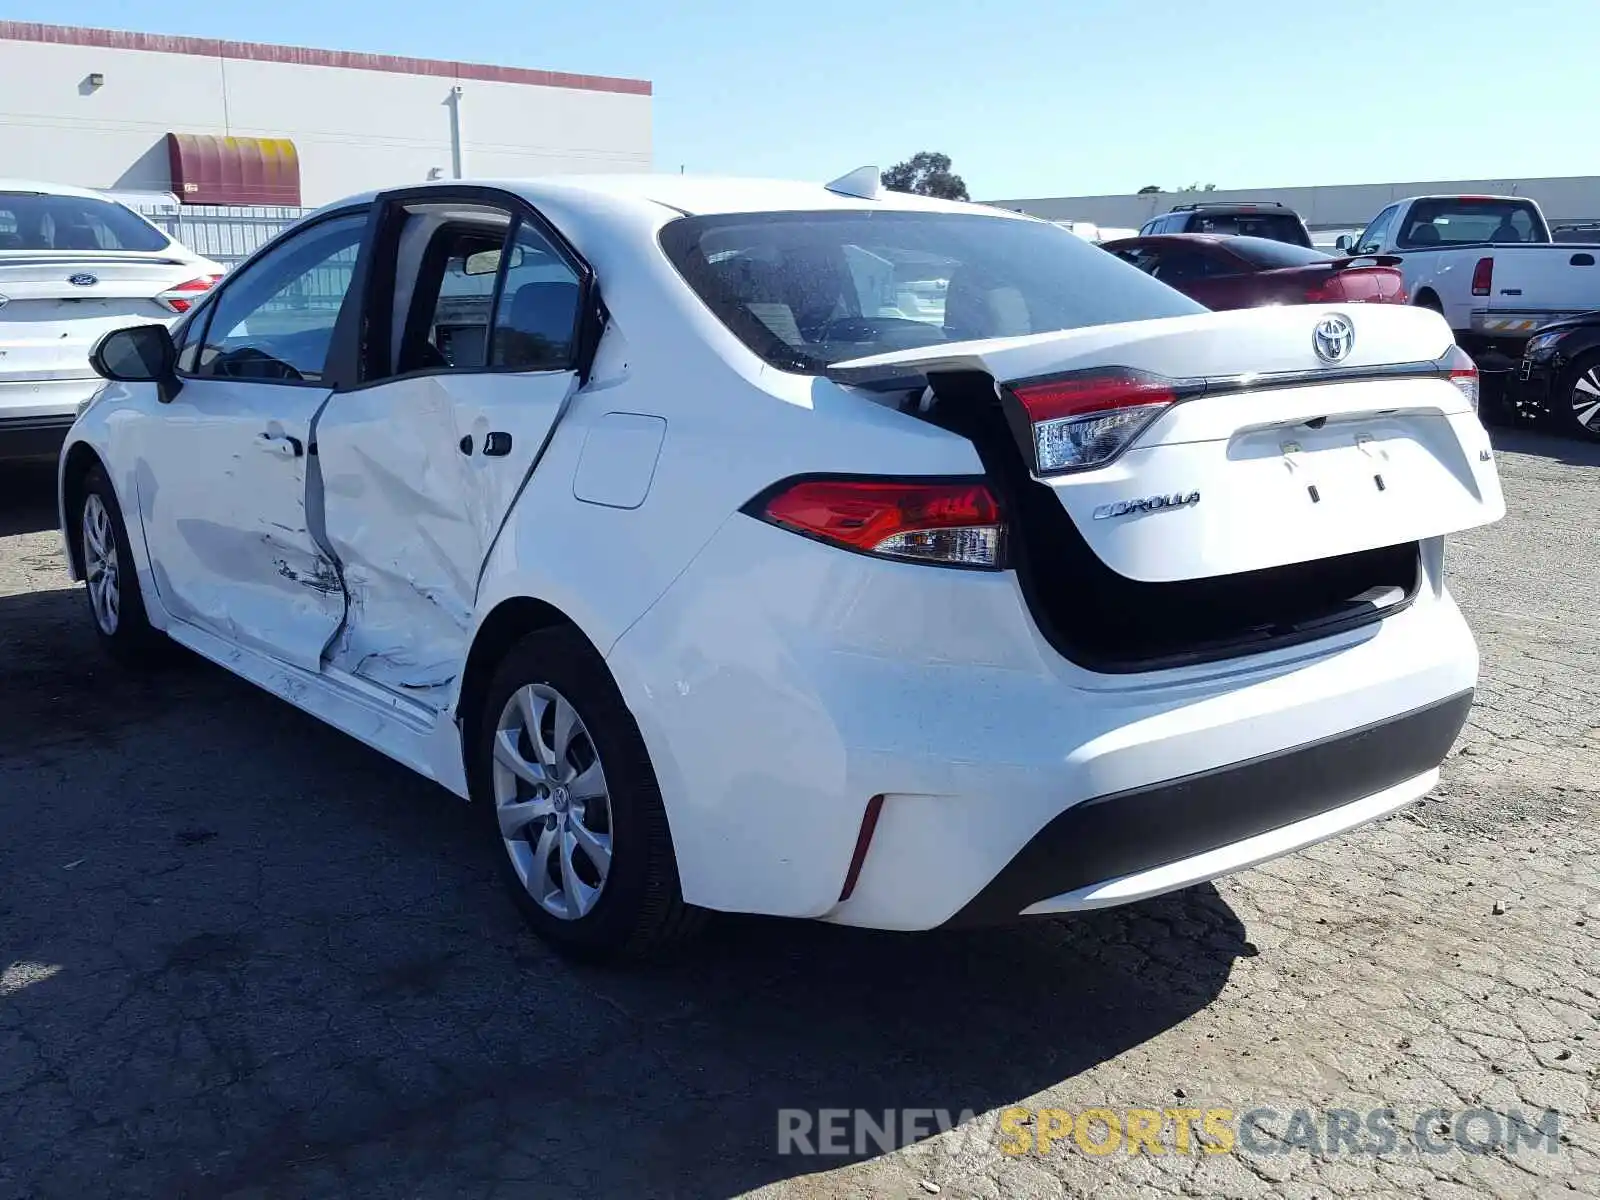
(1270, 255)
(33, 221)
(1450, 222)
(806, 289)
(1275, 226)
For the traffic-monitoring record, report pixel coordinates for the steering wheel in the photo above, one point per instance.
(257, 356)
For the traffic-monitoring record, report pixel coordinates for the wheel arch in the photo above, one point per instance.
(77, 461)
(511, 620)
(1427, 297)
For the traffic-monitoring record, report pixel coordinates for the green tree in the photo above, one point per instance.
(926, 173)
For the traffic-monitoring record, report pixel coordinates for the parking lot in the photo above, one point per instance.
(241, 955)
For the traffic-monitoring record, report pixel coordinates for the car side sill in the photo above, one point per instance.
(408, 732)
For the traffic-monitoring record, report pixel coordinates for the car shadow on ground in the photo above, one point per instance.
(249, 957)
(27, 497)
(1526, 440)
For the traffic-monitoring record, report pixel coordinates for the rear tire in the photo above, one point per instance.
(111, 580)
(567, 796)
(1574, 405)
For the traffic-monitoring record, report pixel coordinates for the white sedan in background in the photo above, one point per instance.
(643, 513)
(74, 264)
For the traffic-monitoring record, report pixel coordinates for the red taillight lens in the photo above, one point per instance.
(1483, 277)
(181, 298)
(1086, 419)
(1463, 372)
(1329, 291)
(951, 523)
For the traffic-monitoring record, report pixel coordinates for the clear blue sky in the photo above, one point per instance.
(1030, 97)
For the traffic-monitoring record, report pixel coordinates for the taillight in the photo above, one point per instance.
(1087, 418)
(181, 298)
(1463, 372)
(1483, 277)
(1329, 291)
(952, 523)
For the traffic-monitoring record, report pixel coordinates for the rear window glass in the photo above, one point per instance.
(1278, 227)
(1448, 222)
(1270, 255)
(807, 289)
(31, 221)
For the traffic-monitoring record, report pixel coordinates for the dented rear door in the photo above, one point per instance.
(421, 464)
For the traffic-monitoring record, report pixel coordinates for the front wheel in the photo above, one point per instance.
(571, 803)
(1575, 401)
(111, 581)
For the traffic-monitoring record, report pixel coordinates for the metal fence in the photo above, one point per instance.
(224, 233)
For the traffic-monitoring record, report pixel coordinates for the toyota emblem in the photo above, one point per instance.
(1333, 338)
(82, 279)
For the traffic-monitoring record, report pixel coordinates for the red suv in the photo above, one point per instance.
(1243, 272)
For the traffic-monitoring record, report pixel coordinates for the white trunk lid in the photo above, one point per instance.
(1279, 459)
(48, 324)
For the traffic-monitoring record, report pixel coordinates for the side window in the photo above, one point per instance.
(273, 322)
(186, 340)
(448, 324)
(535, 325)
(1371, 241)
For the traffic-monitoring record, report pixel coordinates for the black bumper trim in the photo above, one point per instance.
(33, 437)
(1136, 830)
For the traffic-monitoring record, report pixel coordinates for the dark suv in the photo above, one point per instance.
(1269, 220)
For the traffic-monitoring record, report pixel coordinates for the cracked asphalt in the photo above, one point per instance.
(243, 956)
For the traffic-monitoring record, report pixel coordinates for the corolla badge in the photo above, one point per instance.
(82, 279)
(1333, 338)
(1147, 504)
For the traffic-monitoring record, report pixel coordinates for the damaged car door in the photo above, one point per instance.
(224, 480)
(469, 359)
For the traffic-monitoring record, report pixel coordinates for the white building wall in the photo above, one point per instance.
(354, 129)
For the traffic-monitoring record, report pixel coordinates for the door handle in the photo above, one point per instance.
(497, 445)
(281, 445)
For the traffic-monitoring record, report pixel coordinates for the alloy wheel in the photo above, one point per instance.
(1585, 399)
(552, 802)
(100, 564)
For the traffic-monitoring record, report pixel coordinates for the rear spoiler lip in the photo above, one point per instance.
(1376, 260)
(901, 379)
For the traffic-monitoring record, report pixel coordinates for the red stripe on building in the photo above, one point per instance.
(159, 43)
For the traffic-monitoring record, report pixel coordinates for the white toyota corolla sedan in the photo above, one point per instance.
(807, 550)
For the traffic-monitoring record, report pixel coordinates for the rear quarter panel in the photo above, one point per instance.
(734, 426)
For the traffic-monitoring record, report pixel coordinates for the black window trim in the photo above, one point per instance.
(366, 338)
(1515, 204)
(206, 309)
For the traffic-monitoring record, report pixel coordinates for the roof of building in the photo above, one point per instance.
(116, 39)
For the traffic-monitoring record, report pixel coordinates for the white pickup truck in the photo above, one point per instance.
(1488, 264)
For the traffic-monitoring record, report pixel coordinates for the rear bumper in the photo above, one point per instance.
(1119, 848)
(780, 685)
(32, 437)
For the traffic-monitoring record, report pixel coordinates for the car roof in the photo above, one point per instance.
(700, 195)
(50, 189)
(1242, 206)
